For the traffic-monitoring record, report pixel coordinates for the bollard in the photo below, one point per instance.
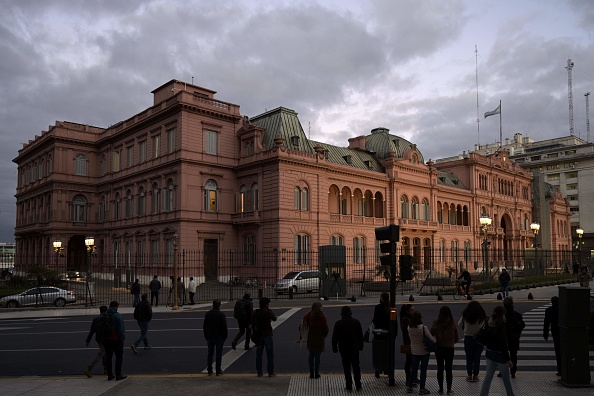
(411, 298)
(530, 297)
(439, 296)
(353, 299)
(290, 293)
(499, 296)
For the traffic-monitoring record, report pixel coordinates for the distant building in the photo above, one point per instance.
(191, 169)
(7, 251)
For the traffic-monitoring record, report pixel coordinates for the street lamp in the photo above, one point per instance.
(485, 221)
(58, 249)
(535, 227)
(175, 306)
(580, 233)
(90, 244)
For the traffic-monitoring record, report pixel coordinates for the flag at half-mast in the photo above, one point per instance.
(496, 111)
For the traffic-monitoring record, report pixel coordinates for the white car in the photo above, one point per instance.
(43, 295)
(299, 281)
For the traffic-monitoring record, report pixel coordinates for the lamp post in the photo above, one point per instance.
(580, 233)
(485, 221)
(535, 227)
(175, 306)
(90, 244)
(58, 249)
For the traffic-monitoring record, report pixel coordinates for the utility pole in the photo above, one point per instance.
(587, 95)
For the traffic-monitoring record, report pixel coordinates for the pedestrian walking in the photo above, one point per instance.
(514, 324)
(181, 291)
(143, 313)
(101, 351)
(494, 337)
(473, 318)
(262, 322)
(381, 318)
(551, 321)
(313, 331)
(135, 291)
(405, 311)
(192, 290)
(417, 332)
(243, 312)
(446, 332)
(114, 342)
(154, 287)
(347, 338)
(215, 332)
(504, 280)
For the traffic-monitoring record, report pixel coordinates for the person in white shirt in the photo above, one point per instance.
(192, 289)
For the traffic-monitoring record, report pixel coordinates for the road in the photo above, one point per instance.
(56, 346)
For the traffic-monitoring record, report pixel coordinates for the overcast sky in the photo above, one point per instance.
(345, 66)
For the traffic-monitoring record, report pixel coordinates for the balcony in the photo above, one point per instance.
(355, 219)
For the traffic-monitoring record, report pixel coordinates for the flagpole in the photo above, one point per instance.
(500, 128)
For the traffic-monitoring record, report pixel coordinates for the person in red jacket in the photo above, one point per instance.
(314, 330)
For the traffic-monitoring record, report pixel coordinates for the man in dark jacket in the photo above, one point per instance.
(143, 313)
(465, 283)
(243, 313)
(135, 291)
(215, 332)
(262, 323)
(504, 280)
(551, 320)
(154, 287)
(101, 353)
(514, 324)
(347, 338)
(114, 343)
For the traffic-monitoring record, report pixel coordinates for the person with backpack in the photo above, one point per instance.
(215, 332)
(143, 313)
(154, 287)
(494, 336)
(135, 291)
(514, 324)
(98, 339)
(243, 311)
(313, 331)
(113, 333)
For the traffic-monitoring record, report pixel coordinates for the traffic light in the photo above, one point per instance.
(391, 234)
(406, 267)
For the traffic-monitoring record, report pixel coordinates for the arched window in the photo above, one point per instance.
(210, 196)
(336, 240)
(441, 250)
(155, 198)
(128, 212)
(41, 169)
(415, 208)
(439, 213)
(301, 198)
(255, 197)
(358, 250)
(242, 200)
(301, 249)
(81, 165)
(102, 209)
(140, 202)
(404, 207)
(103, 165)
(117, 207)
(79, 209)
(169, 196)
(425, 209)
(304, 198)
(50, 165)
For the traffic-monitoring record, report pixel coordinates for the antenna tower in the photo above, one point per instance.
(570, 95)
(587, 95)
(478, 122)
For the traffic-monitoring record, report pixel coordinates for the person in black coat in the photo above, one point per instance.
(347, 338)
(405, 311)
(381, 318)
(143, 313)
(135, 291)
(101, 353)
(514, 324)
(494, 337)
(551, 320)
(215, 332)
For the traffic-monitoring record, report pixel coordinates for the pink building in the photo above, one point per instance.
(191, 173)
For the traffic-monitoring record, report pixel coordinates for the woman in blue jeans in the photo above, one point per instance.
(471, 321)
(416, 331)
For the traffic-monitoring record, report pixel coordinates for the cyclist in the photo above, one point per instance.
(465, 283)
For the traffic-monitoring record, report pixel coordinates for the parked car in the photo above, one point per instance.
(299, 281)
(43, 295)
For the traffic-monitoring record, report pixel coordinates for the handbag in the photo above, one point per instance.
(405, 348)
(428, 344)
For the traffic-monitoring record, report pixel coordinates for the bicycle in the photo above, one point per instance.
(460, 291)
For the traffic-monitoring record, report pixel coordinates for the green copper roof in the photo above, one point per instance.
(284, 123)
(381, 142)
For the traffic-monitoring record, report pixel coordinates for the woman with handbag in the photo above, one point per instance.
(381, 317)
(494, 336)
(446, 332)
(314, 330)
(471, 321)
(405, 311)
(418, 332)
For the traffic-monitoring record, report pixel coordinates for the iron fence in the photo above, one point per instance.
(228, 274)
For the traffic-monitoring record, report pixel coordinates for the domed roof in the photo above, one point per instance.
(381, 143)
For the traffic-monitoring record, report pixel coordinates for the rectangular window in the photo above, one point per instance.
(171, 140)
(571, 175)
(116, 254)
(156, 146)
(170, 252)
(359, 250)
(101, 211)
(142, 151)
(572, 186)
(154, 253)
(139, 253)
(211, 143)
(301, 249)
(116, 160)
(130, 155)
(553, 177)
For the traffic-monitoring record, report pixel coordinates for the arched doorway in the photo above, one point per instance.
(507, 258)
(76, 256)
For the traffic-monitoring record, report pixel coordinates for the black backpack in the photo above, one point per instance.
(240, 312)
(104, 327)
